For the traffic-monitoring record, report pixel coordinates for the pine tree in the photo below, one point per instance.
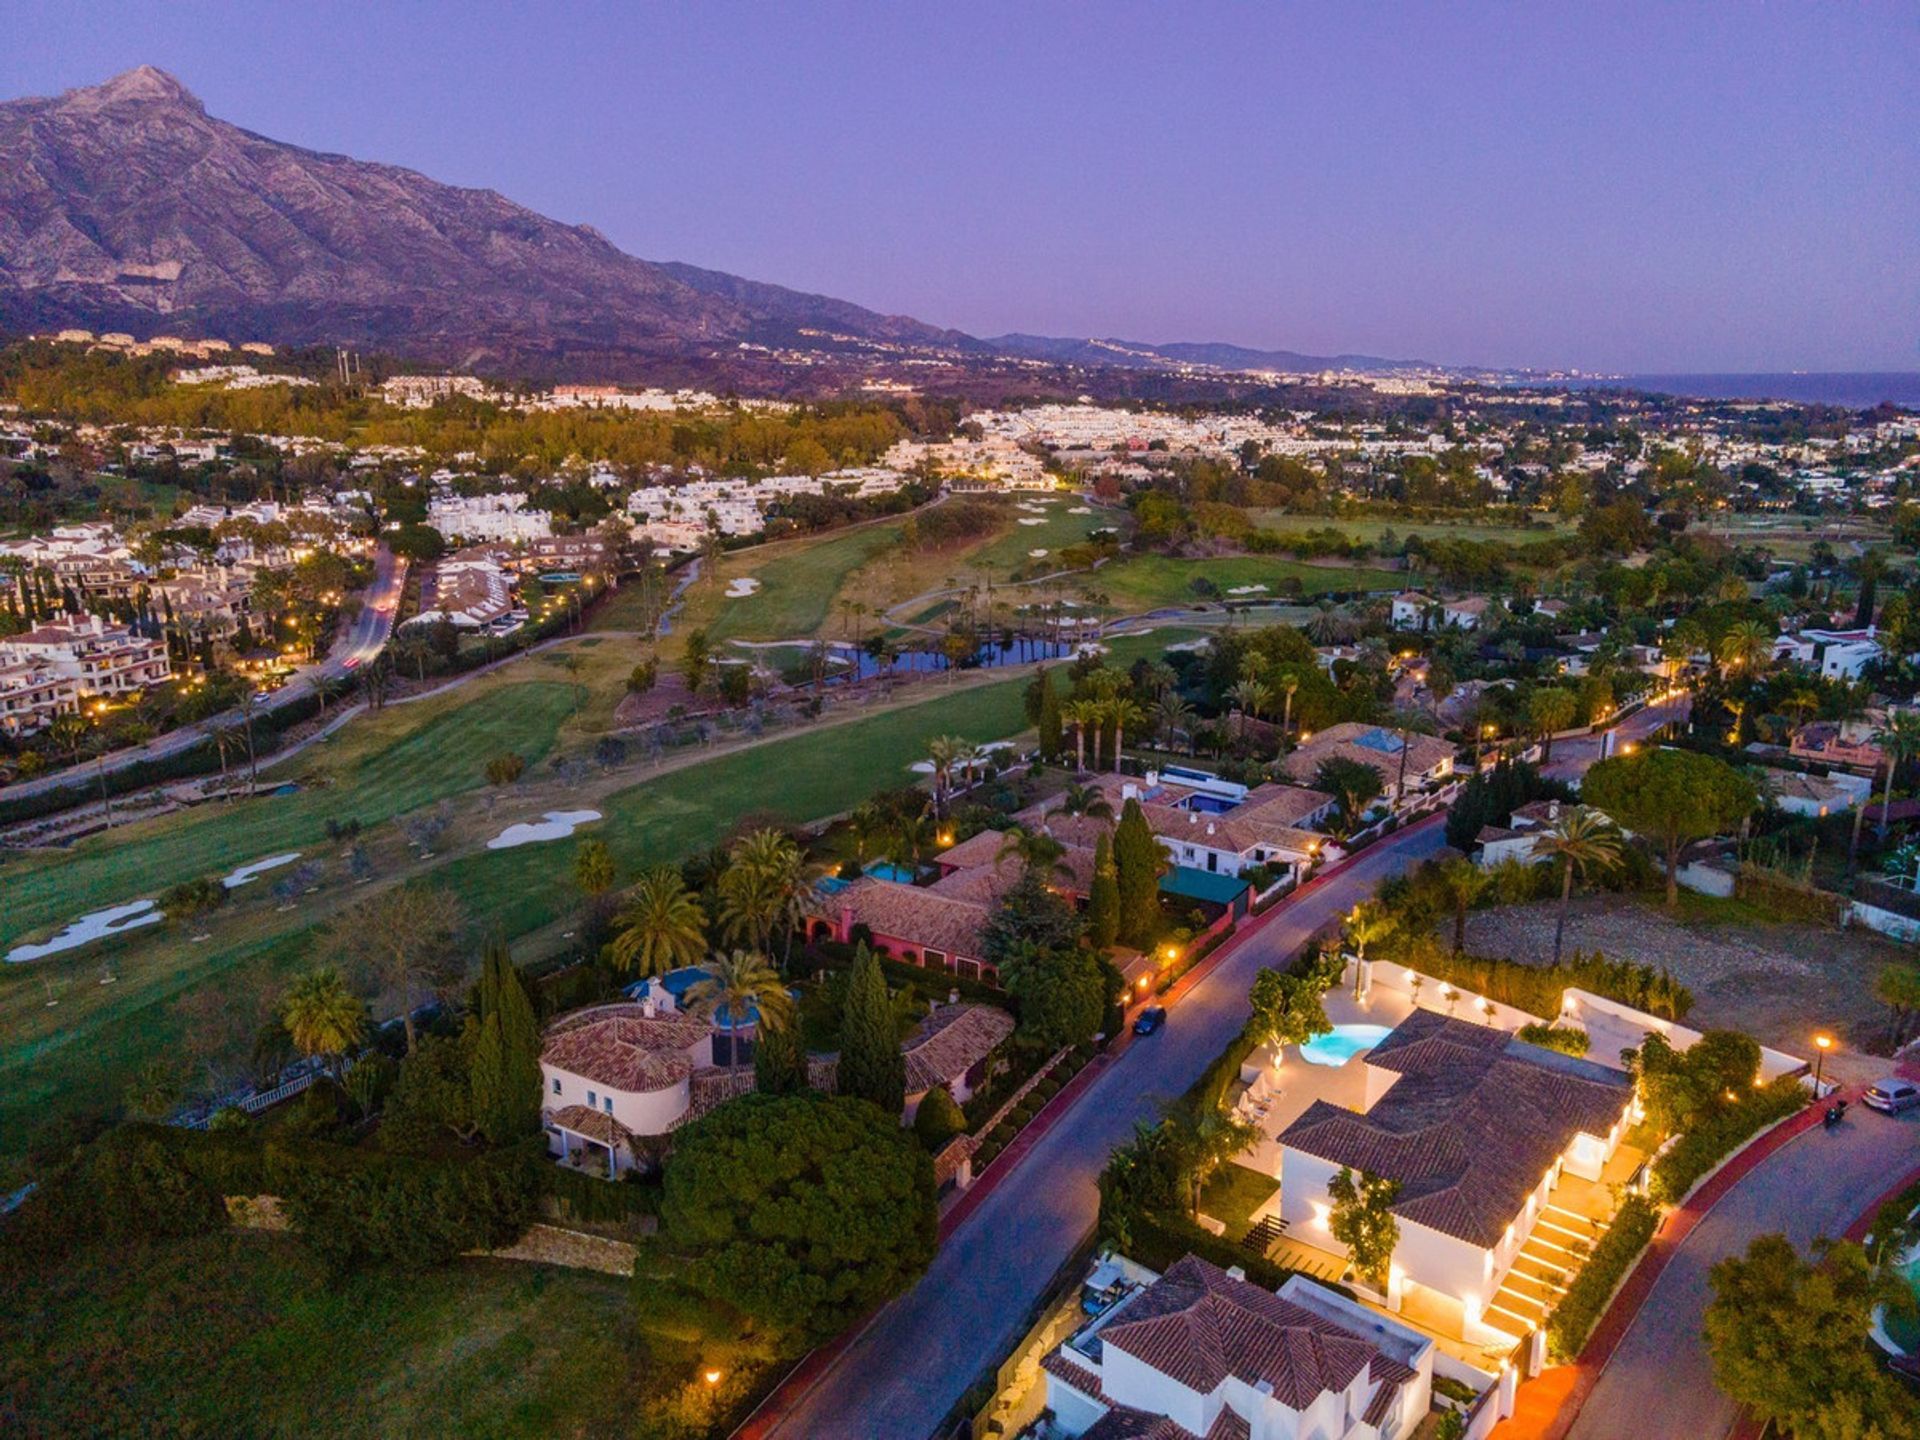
(505, 1073)
(1103, 901)
(780, 1062)
(1138, 861)
(1049, 722)
(871, 1065)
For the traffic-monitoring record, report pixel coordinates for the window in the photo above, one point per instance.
(556, 1084)
(935, 958)
(592, 1100)
(609, 1104)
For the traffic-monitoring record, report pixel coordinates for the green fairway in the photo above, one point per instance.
(1146, 582)
(384, 765)
(1011, 552)
(799, 581)
(182, 1338)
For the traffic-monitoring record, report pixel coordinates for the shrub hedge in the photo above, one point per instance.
(1536, 988)
(1579, 1309)
(1157, 1241)
(1698, 1151)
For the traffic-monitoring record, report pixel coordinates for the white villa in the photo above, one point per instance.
(57, 667)
(1201, 1353)
(1415, 610)
(1479, 1128)
(614, 1072)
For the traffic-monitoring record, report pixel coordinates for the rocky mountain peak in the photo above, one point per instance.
(142, 85)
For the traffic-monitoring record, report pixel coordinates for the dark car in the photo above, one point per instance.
(1892, 1095)
(1151, 1019)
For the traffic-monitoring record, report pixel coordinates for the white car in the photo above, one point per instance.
(1892, 1095)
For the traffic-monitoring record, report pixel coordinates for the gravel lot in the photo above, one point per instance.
(1779, 983)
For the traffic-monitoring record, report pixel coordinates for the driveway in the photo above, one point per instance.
(1817, 1184)
(906, 1370)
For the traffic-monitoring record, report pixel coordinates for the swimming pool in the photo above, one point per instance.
(899, 874)
(1342, 1044)
(1900, 1334)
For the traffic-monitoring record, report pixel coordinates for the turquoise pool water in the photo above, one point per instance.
(1342, 1043)
(1904, 1330)
(899, 874)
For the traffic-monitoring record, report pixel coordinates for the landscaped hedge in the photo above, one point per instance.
(1697, 1152)
(1579, 1309)
(1536, 989)
(1157, 1241)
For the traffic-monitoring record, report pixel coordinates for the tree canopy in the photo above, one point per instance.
(1676, 796)
(871, 1065)
(803, 1211)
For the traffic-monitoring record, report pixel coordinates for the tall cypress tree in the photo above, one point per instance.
(1103, 900)
(1049, 721)
(1138, 861)
(505, 1071)
(871, 1065)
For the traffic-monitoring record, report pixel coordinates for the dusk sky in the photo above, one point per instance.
(1726, 187)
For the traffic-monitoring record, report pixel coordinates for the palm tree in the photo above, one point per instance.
(738, 981)
(1123, 712)
(1327, 626)
(1369, 921)
(1464, 883)
(1082, 715)
(662, 927)
(1174, 716)
(1584, 840)
(1289, 684)
(944, 751)
(1079, 799)
(908, 840)
(323, 1017)
(1899, 737)
(1249, 697)
(767, 883)
(1035, 849)
(1746, 647)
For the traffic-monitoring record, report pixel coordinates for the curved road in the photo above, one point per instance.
(1817, 1184)
(913, 1362)
(918, 1356)
(363, 640)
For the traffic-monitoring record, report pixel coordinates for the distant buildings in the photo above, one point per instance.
(501, 516)
(62, 665)
(1413, 760)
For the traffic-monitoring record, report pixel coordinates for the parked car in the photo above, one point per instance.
(1151, 1019)
(1892, 1095)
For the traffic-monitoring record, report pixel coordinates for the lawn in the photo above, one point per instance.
(241, 1334)
(799, 583)
(1233, 1193)
(1147, 582)
(1011, 551)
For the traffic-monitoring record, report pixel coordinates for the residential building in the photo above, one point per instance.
(1422, 760)
(488, 517)
(1829, 742)
(472, 590)
(953, 1047)
(101, 658)
(1202, 1353)
(1817, 796)
(1478, 1127)
(1836, 654)
(1413, 610)
(615, 1072)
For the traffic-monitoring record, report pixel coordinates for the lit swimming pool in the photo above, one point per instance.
(1342, 1043)
(899, 874)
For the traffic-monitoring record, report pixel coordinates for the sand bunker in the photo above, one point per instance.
(554, 825)
(88, 928)
(258, 868)
(1247, 590)
(741, 587)
(1081, 510)
(1031, 521)
(1037, 554)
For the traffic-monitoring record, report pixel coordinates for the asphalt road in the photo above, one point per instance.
(362, 641)
(1818, 1184)
(910, 1366)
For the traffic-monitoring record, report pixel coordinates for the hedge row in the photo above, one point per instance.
(1157, 1241)
(1536, 989)
(1579, 1309)
(1697, 1152)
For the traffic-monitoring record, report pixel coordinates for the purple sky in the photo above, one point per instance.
(1695, 186)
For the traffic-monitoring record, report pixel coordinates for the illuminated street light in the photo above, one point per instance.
(1822, 1043)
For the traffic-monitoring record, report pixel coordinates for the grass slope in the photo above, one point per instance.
(178, 1340)
(1146, 582)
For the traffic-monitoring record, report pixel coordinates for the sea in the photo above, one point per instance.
(1856, 390)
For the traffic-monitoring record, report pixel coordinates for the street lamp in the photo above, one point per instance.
(1822, 1043)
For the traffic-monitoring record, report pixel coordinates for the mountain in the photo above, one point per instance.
(125, 206)
(1139, 354)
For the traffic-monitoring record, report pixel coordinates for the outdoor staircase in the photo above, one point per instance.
(1554, 1252)
(1260, 1237)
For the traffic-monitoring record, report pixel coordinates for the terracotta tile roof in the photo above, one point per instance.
(595, 1125)
(951, 1041)
(1273, 804)
(1471, 1126)
(1197, 1325)
(909, 913)
(1382, 1402)
(1078, 1376)
(980, 849)
(1343, 741)
(1228, 1425)
(624, 1048)
(986, 882)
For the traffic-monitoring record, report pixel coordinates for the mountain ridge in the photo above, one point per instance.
(126, 206)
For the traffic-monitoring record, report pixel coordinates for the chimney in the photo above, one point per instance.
(1210, 827)
(1193, 817)
(1129, 791)
(1153, 779)
(1553, 810)
(649, 1007)
(1236, 1272)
